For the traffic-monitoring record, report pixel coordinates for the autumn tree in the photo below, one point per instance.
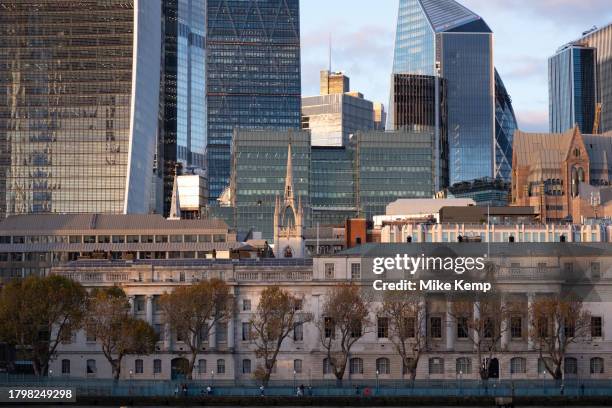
(277, 314)
(344, 320)
(407, 319)
(483, 318)
(192, 311)
(555, 323)
(119, 333)
(37, 313)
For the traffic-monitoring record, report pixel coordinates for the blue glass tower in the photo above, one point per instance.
(505, 125)
(443, 38)
(252, 75)
(572, 88)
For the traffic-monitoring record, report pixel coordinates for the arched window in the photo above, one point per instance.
(91, 367)
(407, 366)
(297, 366)
(518, 365)
(66, 367)
(201, 366)
(464, 365)
(356, 366)
(570, 365)
(220, 366)
(383, 365)
(597, 365)
(157, 366)
(543, 363)
(288, 253)
(326, 366)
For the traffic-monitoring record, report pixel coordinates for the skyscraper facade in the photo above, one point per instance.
(183, 130)
(572, 88)
(252, 75)
(505, 125)
(601, 40)
(79, 105)
(443, 38)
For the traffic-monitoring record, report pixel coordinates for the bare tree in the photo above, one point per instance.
(277, 314)
(344, 320)
(119, 333)
(555, 323)
(37, 313)
(192, 311)
(483, 319)
(407, 319)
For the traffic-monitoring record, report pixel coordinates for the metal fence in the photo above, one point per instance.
(92, 387)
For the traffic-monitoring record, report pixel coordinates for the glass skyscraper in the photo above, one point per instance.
(252, 75)
(183, 138)
(443, 38)
(505, 125)
(572, 89)
(79, 105)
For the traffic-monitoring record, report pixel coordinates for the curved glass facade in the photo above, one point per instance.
(505, 125)
(77, 134)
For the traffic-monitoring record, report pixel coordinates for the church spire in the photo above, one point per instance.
(289, 191)
(175, 206)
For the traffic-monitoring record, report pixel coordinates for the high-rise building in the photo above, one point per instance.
(336, 114)
(505, 126)
(334, 83)
(183, 130)
(572, 89)
(252, 75)
(79, 106)
(380, 116)
(418, 102)
(600, 39)
(443, 38)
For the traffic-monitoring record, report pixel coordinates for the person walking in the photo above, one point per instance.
(262, 391)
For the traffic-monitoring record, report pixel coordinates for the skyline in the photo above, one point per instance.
(362, 43)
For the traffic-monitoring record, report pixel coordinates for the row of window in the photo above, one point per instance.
(114, 239)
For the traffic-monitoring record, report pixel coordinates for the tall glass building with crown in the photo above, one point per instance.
(442, 38)
(252, 75)
(79, 106)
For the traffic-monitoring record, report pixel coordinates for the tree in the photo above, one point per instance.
(407, 319)
(119, 333)
(277, 314)
(344, 320)
(37, 313)
(484, 319)
(555, 323)
(192, 311)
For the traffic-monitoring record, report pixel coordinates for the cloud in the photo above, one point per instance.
(532, 120)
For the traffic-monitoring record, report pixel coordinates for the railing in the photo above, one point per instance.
(273, 276)
(92, 387)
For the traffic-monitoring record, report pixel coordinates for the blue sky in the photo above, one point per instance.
(527, 32)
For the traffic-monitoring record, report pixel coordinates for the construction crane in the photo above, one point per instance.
(597, 118)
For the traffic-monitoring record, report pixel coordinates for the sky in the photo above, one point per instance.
(526, 33)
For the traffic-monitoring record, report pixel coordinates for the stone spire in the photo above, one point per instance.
(175, 206)
(289, 191)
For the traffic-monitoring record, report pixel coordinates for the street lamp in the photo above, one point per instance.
(460, 378)
(377, 373)
(294, 380)
(212, 376)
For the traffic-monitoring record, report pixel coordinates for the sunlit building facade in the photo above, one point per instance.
(79, 105)
(252, 75)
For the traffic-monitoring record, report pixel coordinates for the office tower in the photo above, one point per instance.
(418, 102)
(336, 114)
(252, 75)
(79, 105)
(443, 38)
(601, 40)
(334, 83)
(572, 88)
(380, 116)
(183, 130)
(259, 168)
(505, 126)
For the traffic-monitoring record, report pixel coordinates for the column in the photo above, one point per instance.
(450, 326)
(212, 337)
(476, 318)
(230, 332)
(422, 319)
(149, 309)
(530, 300)
(505, 324)
(167, 337)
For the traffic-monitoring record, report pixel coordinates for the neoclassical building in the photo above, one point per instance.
(524, 272)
